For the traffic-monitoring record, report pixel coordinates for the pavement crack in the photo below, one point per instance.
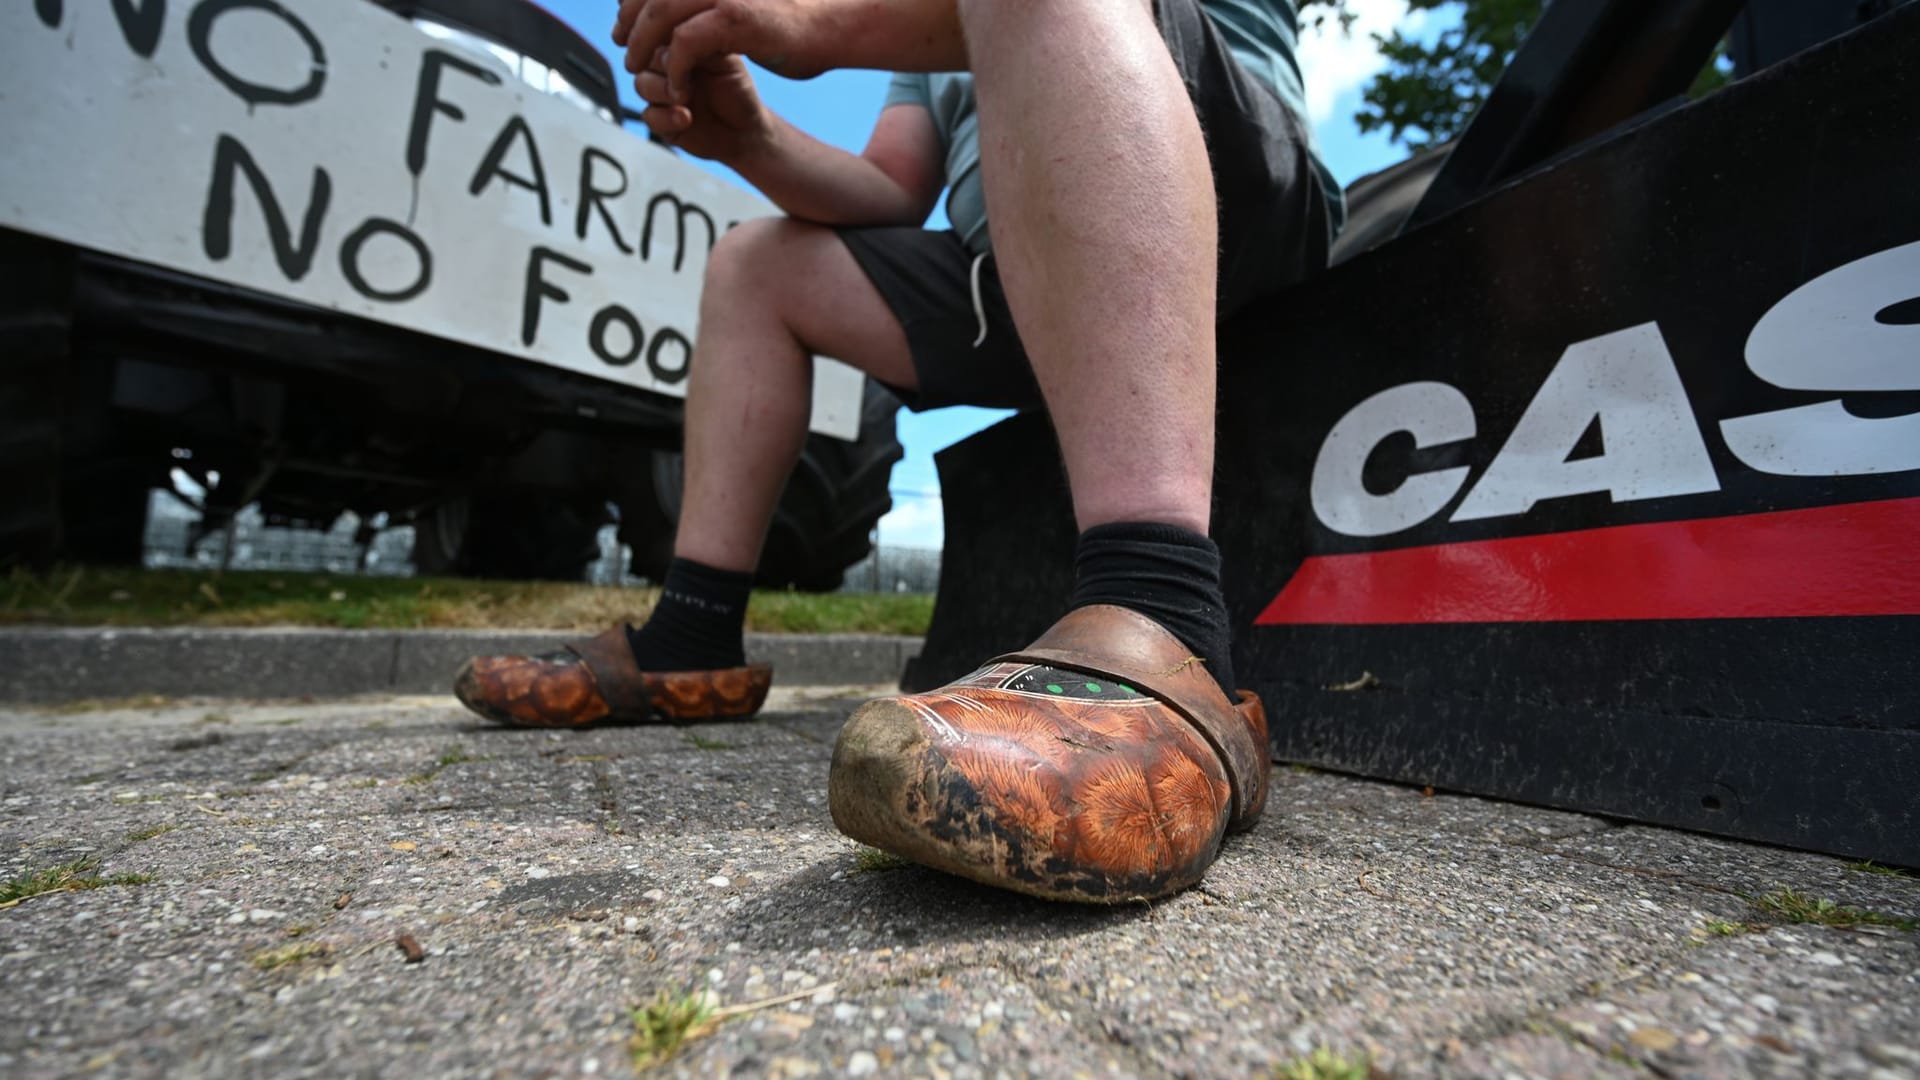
(1662, 875)
(1088, 1018)
(609, 798)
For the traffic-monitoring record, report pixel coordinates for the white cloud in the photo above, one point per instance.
(1336, 63)
(917, 521)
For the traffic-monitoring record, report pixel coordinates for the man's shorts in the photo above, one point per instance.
(1274, 231)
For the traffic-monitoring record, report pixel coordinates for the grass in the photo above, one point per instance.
(664, 1024)
(151, 831)
(1723, 928)
(75, 876)
(287, 955)
(1324, 1064)
(1871, 867)
(104, 596)
(869, 860)
(701, 742)
(88, 705)
(448, 757)
(1788, 906)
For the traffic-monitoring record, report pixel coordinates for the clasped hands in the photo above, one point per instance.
(685, 59)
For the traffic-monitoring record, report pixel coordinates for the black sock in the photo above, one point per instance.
(698, 623)
(1167, 573)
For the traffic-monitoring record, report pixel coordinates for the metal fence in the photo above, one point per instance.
(255, 545)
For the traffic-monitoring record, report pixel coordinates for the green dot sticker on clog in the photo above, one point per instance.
(1054, 688)
(1093, 688)
(1125, 689)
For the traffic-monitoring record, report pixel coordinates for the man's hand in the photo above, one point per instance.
(720, 117)
(679, 36)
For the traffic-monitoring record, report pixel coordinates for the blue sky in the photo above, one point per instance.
(840, 108)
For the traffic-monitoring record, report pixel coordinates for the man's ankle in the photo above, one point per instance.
(699, 622)
(1167, 573)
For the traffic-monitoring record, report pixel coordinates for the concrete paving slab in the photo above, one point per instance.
(550, 882)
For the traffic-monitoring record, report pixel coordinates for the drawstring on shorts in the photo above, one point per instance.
(979, 304)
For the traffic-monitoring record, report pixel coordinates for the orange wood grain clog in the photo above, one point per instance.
(595, 679)
(1101, 764)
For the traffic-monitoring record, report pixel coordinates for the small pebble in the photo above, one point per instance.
(862, 1063)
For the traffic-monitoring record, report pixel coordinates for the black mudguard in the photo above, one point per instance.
(1739, 654)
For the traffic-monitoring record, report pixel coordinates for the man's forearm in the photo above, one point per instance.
(813, 181)
(881, 35)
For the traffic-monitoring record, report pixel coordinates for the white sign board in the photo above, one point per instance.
(330, 152)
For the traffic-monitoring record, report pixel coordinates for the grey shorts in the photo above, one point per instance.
(1274, 231)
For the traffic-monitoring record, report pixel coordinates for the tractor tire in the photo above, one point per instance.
(824, 523)
(438, 533)
(511, 536)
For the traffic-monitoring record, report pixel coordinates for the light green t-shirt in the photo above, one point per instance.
(1262, 34)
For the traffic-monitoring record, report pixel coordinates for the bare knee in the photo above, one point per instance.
(753, 261)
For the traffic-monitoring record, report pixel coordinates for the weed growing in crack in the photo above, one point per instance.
(1792, 907)
(448, 758)
(1871, 867)
(75, 876)
(1324, 1064)
(874, 861)
(287, 955)
(664, 1024)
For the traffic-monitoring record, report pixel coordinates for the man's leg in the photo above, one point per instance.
(776, 293)
(1101, 202)
(1100, 763)
(1101, 205)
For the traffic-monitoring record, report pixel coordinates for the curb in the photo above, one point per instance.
(48, 664)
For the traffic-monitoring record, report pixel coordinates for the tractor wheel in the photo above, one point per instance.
(438, 533)
(510, 535)
(824, 523)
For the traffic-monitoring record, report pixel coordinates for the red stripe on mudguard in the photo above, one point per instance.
(1853, 559)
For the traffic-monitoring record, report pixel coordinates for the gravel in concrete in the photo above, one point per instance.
(554, 881)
